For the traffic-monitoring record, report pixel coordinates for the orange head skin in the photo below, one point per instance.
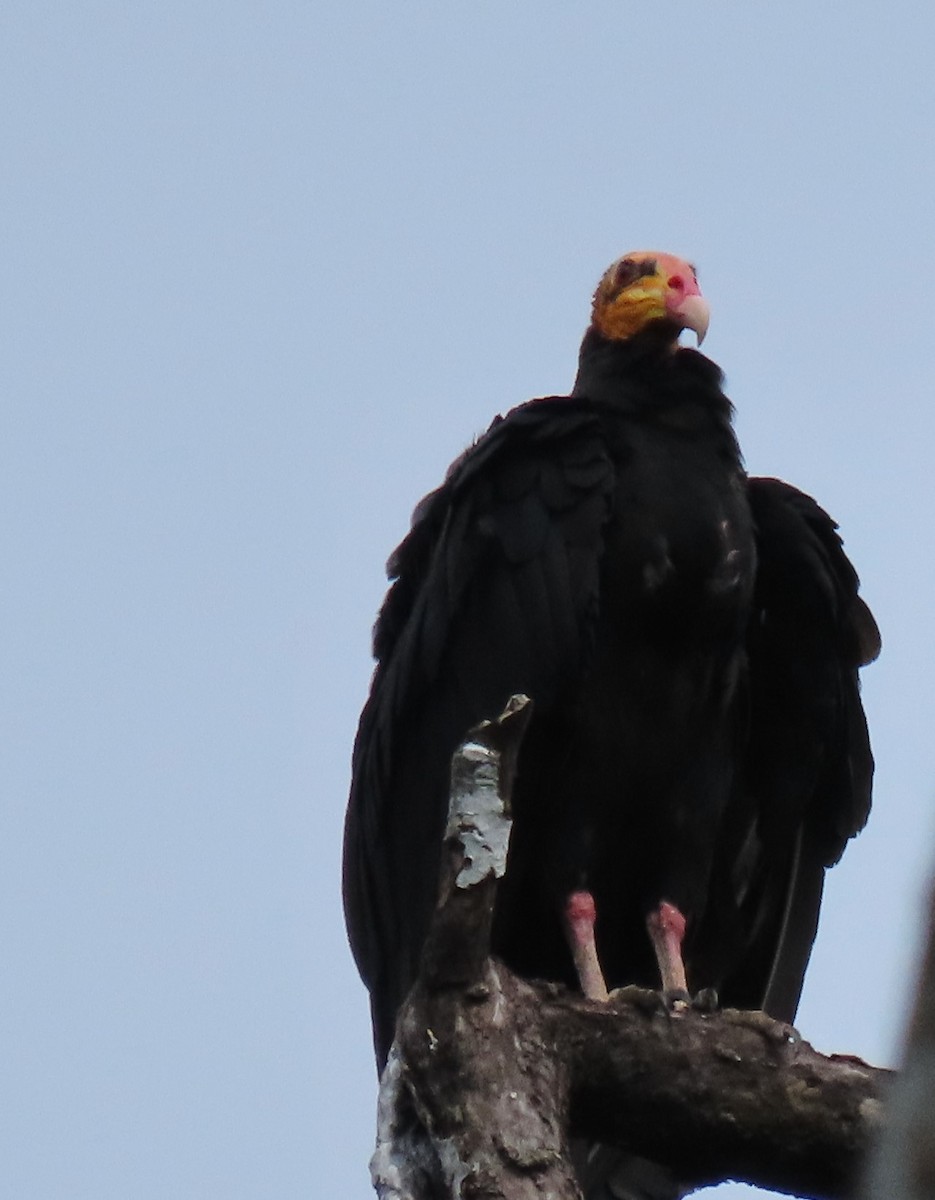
(647, 286)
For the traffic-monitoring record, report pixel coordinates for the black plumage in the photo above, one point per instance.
(691, 639)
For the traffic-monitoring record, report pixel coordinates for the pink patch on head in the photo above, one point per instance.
(683, 299)
(681, 277)
(677, 271)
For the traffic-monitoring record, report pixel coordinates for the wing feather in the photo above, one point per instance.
(496, 591)
(808, 766)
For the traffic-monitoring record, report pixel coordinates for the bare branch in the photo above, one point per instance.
(491, 1075)
(724, 1095)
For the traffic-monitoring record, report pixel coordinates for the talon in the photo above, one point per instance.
(645, 1000)
(706, 1001)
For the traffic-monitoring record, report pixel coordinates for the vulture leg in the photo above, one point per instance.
(666, 927)
(580, 915)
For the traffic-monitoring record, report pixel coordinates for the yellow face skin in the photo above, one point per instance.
(647, 286)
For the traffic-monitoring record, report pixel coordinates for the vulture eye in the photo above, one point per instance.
(677, 283)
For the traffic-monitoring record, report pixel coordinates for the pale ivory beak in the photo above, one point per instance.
(693, 312)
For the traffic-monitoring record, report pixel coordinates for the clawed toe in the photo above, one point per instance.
(706, 1001)
(679, 1000)
(668, 1000)
(676, 999)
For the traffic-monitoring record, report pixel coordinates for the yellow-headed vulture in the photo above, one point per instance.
(690, 636)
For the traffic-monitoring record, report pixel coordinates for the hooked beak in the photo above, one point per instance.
(693, 313)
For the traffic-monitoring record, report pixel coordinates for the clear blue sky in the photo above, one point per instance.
(265, 269)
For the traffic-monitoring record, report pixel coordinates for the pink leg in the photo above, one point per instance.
(580, 915)
(666, 927)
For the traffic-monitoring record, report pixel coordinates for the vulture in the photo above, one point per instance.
(690, 636)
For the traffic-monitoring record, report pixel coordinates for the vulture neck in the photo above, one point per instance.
(650, 371)
(606, 366)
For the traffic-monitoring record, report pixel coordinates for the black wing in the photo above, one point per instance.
(496, 592)
(808, 766)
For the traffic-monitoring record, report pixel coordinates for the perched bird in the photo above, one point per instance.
(690, 636)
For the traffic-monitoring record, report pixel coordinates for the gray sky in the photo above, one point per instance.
(266, 268)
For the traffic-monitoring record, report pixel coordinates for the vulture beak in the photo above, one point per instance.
(692, 312)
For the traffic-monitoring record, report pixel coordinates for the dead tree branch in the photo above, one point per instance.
(491, 1075)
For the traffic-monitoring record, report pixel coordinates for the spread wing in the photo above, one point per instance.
(808, 765)
(495, 592)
